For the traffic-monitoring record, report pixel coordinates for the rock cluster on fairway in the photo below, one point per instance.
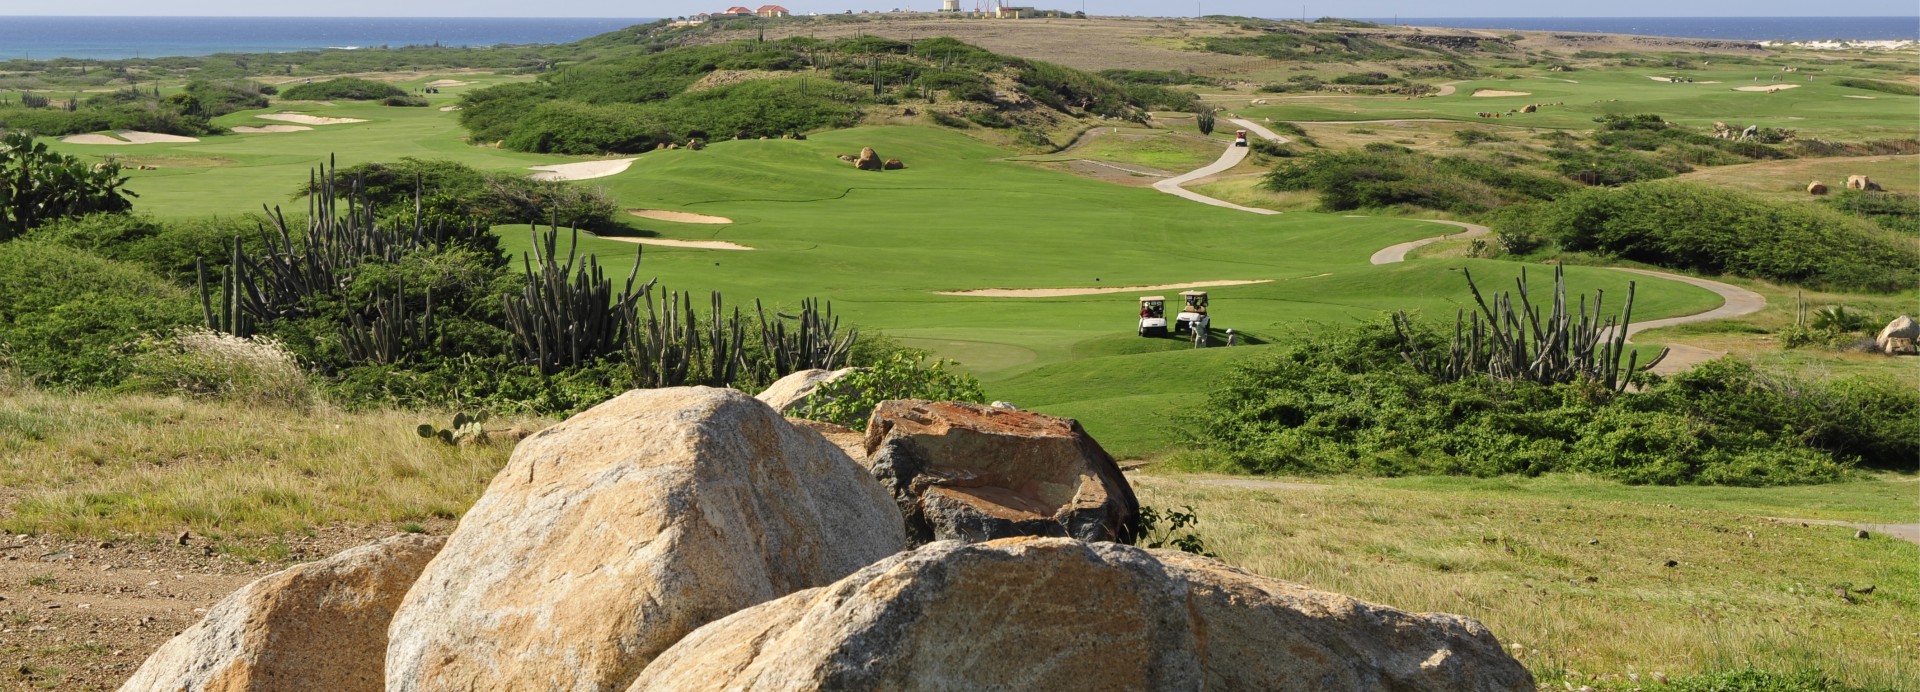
(972, 472)
(786, 394)
(1055, 614)
(1898, 336)
(868, 160)
(608, 537)
(317, 626)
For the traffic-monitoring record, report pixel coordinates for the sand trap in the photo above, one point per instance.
(305, 119)
(1496, 93)
(677, 216)
(1869, 98)
(449, 109)
(584, 170)
(697, 244)
(1661, 79)
(1770, 87)
(249, 129)
(120, 137)
(1060, 292)
(447, 83)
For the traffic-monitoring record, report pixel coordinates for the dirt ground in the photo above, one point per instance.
(83, 614)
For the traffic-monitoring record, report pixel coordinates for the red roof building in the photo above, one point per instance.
(772, 11)
(738, 12)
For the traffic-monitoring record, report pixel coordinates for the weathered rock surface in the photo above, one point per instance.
(1816, 188)
(851, 441)
(786, 394)
(1902, 327)
(316, 626)
(893, 164)
(974, 473)
(611, 535)
(1861, 182)
(1051, 613)
(868, 160)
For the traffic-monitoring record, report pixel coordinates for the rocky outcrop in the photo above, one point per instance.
(1861, 182)
(317, 626)
(1038, 614)
(786, 394)
(868, 160)
(971, 472)
(1816, 188)
(1898, 336)
(608, 537)
(851, 441)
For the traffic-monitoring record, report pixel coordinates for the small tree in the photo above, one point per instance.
(37, 185)
(1204, 119)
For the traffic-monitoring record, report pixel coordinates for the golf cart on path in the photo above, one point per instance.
(1153, 316)
(1239, 138)
(1194, 310)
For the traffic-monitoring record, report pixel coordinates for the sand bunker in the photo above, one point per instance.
(128, 137)
(1869, 98)
(697, 244)
(1770, 87)
(447, 83)
(677, 216)
(449, 109)
(585, 170)
(305, 119)
(249, 129)
(1496, 93)
(1060, 292)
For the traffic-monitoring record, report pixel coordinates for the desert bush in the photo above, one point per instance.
(991, 119)
(39, 186)
(67, 317)
(455, 196)
(1703, 229)
(901, 374)
(1891, 210)
(945, 119)
(343, 89)
(204, 363)
(168, 249)
(1881, 86)
(1472, 136)
(1345, 403)
(1387, 175)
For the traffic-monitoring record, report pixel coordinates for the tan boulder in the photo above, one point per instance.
(1816, 188)
(316, 626)
(1530, 108)
(868, 160)
(847, 158)
(609, 536)
(851, 441)
(893, 165)
(1898, 336)
(972, 472)
(1059, 614)
(1861, 182)
(786, 394)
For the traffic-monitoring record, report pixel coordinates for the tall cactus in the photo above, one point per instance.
(811, 342)
(567, 314)
(1521, 343)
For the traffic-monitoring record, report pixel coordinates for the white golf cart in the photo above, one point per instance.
(1239, 138)
(1193, 309)
(1153, 316)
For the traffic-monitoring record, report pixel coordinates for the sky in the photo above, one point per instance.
(670, 8)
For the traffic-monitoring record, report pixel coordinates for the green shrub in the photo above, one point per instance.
(1881, 86)
(1703, 229)
(1891, 210)
(1344, 403)
(455, 196)
(38, 186)
(67, 317)
(343, 89)
(991, 119)
(1388, 175)
(945, 119)
(168, 249)
(902, 374)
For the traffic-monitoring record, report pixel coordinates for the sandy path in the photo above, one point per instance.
(305, 119)
(1769, 87)
(677, 216)
(1064, 292)
(1398, 252)
(124, 137)
(585, 170)
(1497, 93)
(696, 244)
(248, 129)
(1232, 157)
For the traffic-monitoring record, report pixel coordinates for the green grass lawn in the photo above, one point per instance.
(1816, 107)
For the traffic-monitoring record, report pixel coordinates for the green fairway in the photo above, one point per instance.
(1814, 105)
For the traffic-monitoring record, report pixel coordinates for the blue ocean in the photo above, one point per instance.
(112, 38)
(1726, 28)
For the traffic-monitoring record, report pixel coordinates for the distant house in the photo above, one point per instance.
(771, 11)
(1010, 12)
(736, 12)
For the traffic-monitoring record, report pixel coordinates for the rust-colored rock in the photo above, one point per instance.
(972, 472)
(316, 626)
(868, 160)
(608, 537)
(1059, 614)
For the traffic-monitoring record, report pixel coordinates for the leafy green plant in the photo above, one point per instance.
(902, 374)
(1172, 528)
(38, 185)
(344, 89)
(466, 429)
(1205, 121)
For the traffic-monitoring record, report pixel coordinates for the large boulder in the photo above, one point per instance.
(1054, 613)
(974, 473)
(611, 535)
(1898, 336)
(1861, 182)
(787, 393)
(317, 626)
(1816, 188)
(868, 161)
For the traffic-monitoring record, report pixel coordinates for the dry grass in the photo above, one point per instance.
(1572, 574)
(98, 465)
(1788, 179)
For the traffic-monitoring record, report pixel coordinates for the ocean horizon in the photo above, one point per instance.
(115, 38)
(1722, 28)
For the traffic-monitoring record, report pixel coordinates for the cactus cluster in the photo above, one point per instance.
(568, 313)
(1512, 341)
(466, 429)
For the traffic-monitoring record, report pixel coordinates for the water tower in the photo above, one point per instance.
(949, 5)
